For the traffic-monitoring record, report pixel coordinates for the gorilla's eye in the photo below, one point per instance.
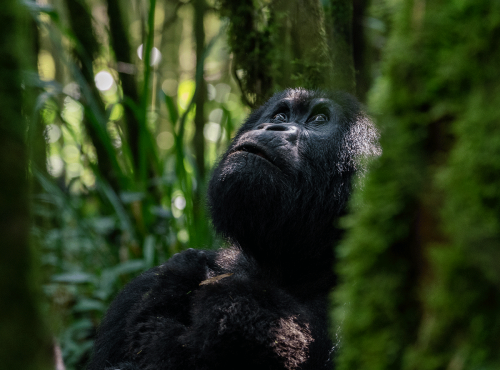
(280, 117)
(319, 118)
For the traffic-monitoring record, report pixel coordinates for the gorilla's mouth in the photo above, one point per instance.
(253, 149)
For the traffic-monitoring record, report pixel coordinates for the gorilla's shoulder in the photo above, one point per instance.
(165, 287)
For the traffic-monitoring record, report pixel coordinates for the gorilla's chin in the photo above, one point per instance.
(243, 194)
(267, 213)
(250, 163)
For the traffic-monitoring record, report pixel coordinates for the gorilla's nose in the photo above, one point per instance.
(286, 130)
(277, 127)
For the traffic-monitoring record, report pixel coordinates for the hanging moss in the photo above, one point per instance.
(250, 42)
(419, 268)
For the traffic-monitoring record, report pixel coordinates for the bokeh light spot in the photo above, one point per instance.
(155, 55)
(180, 202)
(72, 111)
(72, 89)
(169, 87)
(183, 236)
(70, 153)
(88, 178)
(215, 115)
(212, 131)
(211, 92)
(55, 165)
(223, 91)
(53, 133)
(46, 66)
(165, 140)
(104, 81)
(116, 112)
(74, 169)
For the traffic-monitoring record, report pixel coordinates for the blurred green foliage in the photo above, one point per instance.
(118, 184)
(25, 342)
(118, 165)
(108, 205)
(419, 267)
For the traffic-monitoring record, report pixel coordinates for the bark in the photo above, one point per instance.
(25, 344)
(301, 49)
(340, 37)
(293, 46)
(200, 224)
(360, 53)
(251, 45)
(201, 89)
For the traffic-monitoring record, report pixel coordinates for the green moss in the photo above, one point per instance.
(419, 267)
(273, 50)
(250, 42)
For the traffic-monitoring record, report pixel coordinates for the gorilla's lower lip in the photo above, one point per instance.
(252, 149)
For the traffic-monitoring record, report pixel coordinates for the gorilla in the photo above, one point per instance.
(262, 301)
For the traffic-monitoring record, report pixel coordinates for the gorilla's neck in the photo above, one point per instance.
(294, 255)
(285, 224)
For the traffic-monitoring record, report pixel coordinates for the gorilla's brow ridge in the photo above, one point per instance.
(283, 104)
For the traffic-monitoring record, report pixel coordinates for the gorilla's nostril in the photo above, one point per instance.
(278, 127)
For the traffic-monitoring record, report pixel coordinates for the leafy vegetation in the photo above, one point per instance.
(120, 189)
(135, 100)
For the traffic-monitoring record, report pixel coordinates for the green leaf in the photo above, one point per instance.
(85, 305)
(130, 266)
(74, 278)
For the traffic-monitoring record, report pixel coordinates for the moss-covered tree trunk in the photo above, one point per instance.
(339, 14)
(24, 344)
(289, 43)
(360, 52)
(301, 53)
(420, 283)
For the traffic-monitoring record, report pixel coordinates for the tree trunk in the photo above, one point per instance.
(301, 52)
(85, 52)
(360, 53)
(200, 224)
(290, 47)
(25, 344)
(201, 89)
(251, 45)
(123, 54)
(340, 37)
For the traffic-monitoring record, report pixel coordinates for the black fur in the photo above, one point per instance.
(262, 304)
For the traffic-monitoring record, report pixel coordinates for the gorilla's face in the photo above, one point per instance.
(287, 174)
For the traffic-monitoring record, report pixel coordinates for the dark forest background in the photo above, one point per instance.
(112, 113)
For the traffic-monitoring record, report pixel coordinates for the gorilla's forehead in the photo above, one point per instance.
(303, 96)
(307, 103)
(298, 94)
(303, 106)
(299, 104)
(304, 99)
(302, 102)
